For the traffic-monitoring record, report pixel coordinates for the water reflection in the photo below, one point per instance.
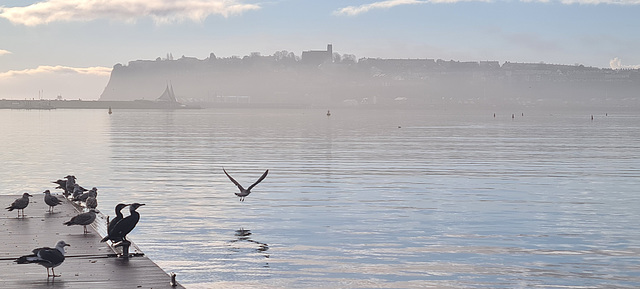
(243, 236)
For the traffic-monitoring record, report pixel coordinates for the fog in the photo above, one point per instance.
(326, 79)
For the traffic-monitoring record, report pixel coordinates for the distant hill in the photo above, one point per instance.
(284, 79)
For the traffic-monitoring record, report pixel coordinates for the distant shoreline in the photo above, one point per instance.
(44, 104)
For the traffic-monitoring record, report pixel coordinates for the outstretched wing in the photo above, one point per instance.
(234, 181)
(259, 180)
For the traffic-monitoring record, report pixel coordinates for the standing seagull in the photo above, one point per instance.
(243, 193)
(50, 200)
(62, 184)
(47, 257)
(83, 219)
(113, 223)
(19, 204)
(77, 191)
(121, 229)
(69, 184)
(92, 202)
(84, 196)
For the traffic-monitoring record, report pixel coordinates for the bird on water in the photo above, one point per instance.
(82, 219)
(19, 204)
(47, 257)
(113, 224)
(125, 226)
(50, 200)
(245, 192)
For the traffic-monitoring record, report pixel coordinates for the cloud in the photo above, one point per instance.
(161, 11)
(3, 52)
(616, 63)
(96, 71)
(355, 10)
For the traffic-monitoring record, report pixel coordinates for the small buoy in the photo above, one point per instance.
(110, 112)
(399, 127)
(328, 113)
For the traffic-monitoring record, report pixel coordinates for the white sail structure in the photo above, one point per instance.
(168, 95)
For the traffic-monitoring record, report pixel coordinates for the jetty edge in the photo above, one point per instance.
(88, 263)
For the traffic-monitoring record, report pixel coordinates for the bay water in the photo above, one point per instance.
(364, 198)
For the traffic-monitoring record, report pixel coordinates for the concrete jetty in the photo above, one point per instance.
(88, 263)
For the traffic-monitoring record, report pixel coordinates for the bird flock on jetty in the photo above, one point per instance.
(117, 229)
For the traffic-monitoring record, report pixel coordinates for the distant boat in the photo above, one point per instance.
(168, 95)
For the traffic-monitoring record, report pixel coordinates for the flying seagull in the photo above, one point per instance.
(113, 223)
(82, 219)
(47, 257)
(19, 204)
(123, 227)
(245, 192)
(50, 200)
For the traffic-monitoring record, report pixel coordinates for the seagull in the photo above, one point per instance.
(83, 197)
(50, 200)
(78, 190)
(245, 192)
(47, 257)
(123, 227)
(69, 184)
(113, 223)
(82, 219)
(19, 204)
(62, 184)
(92, 202)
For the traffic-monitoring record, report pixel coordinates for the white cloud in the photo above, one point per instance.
(3, 52)
(42, 70)
(616, 63)
(355, 10)
(161, 11)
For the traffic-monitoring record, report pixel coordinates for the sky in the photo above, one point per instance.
(67, 48)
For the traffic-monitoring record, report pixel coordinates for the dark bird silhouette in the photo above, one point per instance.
(50, 200)
(245, 192)
(47, 257)
(113, 224)
(124, 226)
(19, 204)
(82, 219)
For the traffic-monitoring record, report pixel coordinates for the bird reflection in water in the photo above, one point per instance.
(244, 236)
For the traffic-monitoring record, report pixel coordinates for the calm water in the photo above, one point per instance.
(361, 199)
